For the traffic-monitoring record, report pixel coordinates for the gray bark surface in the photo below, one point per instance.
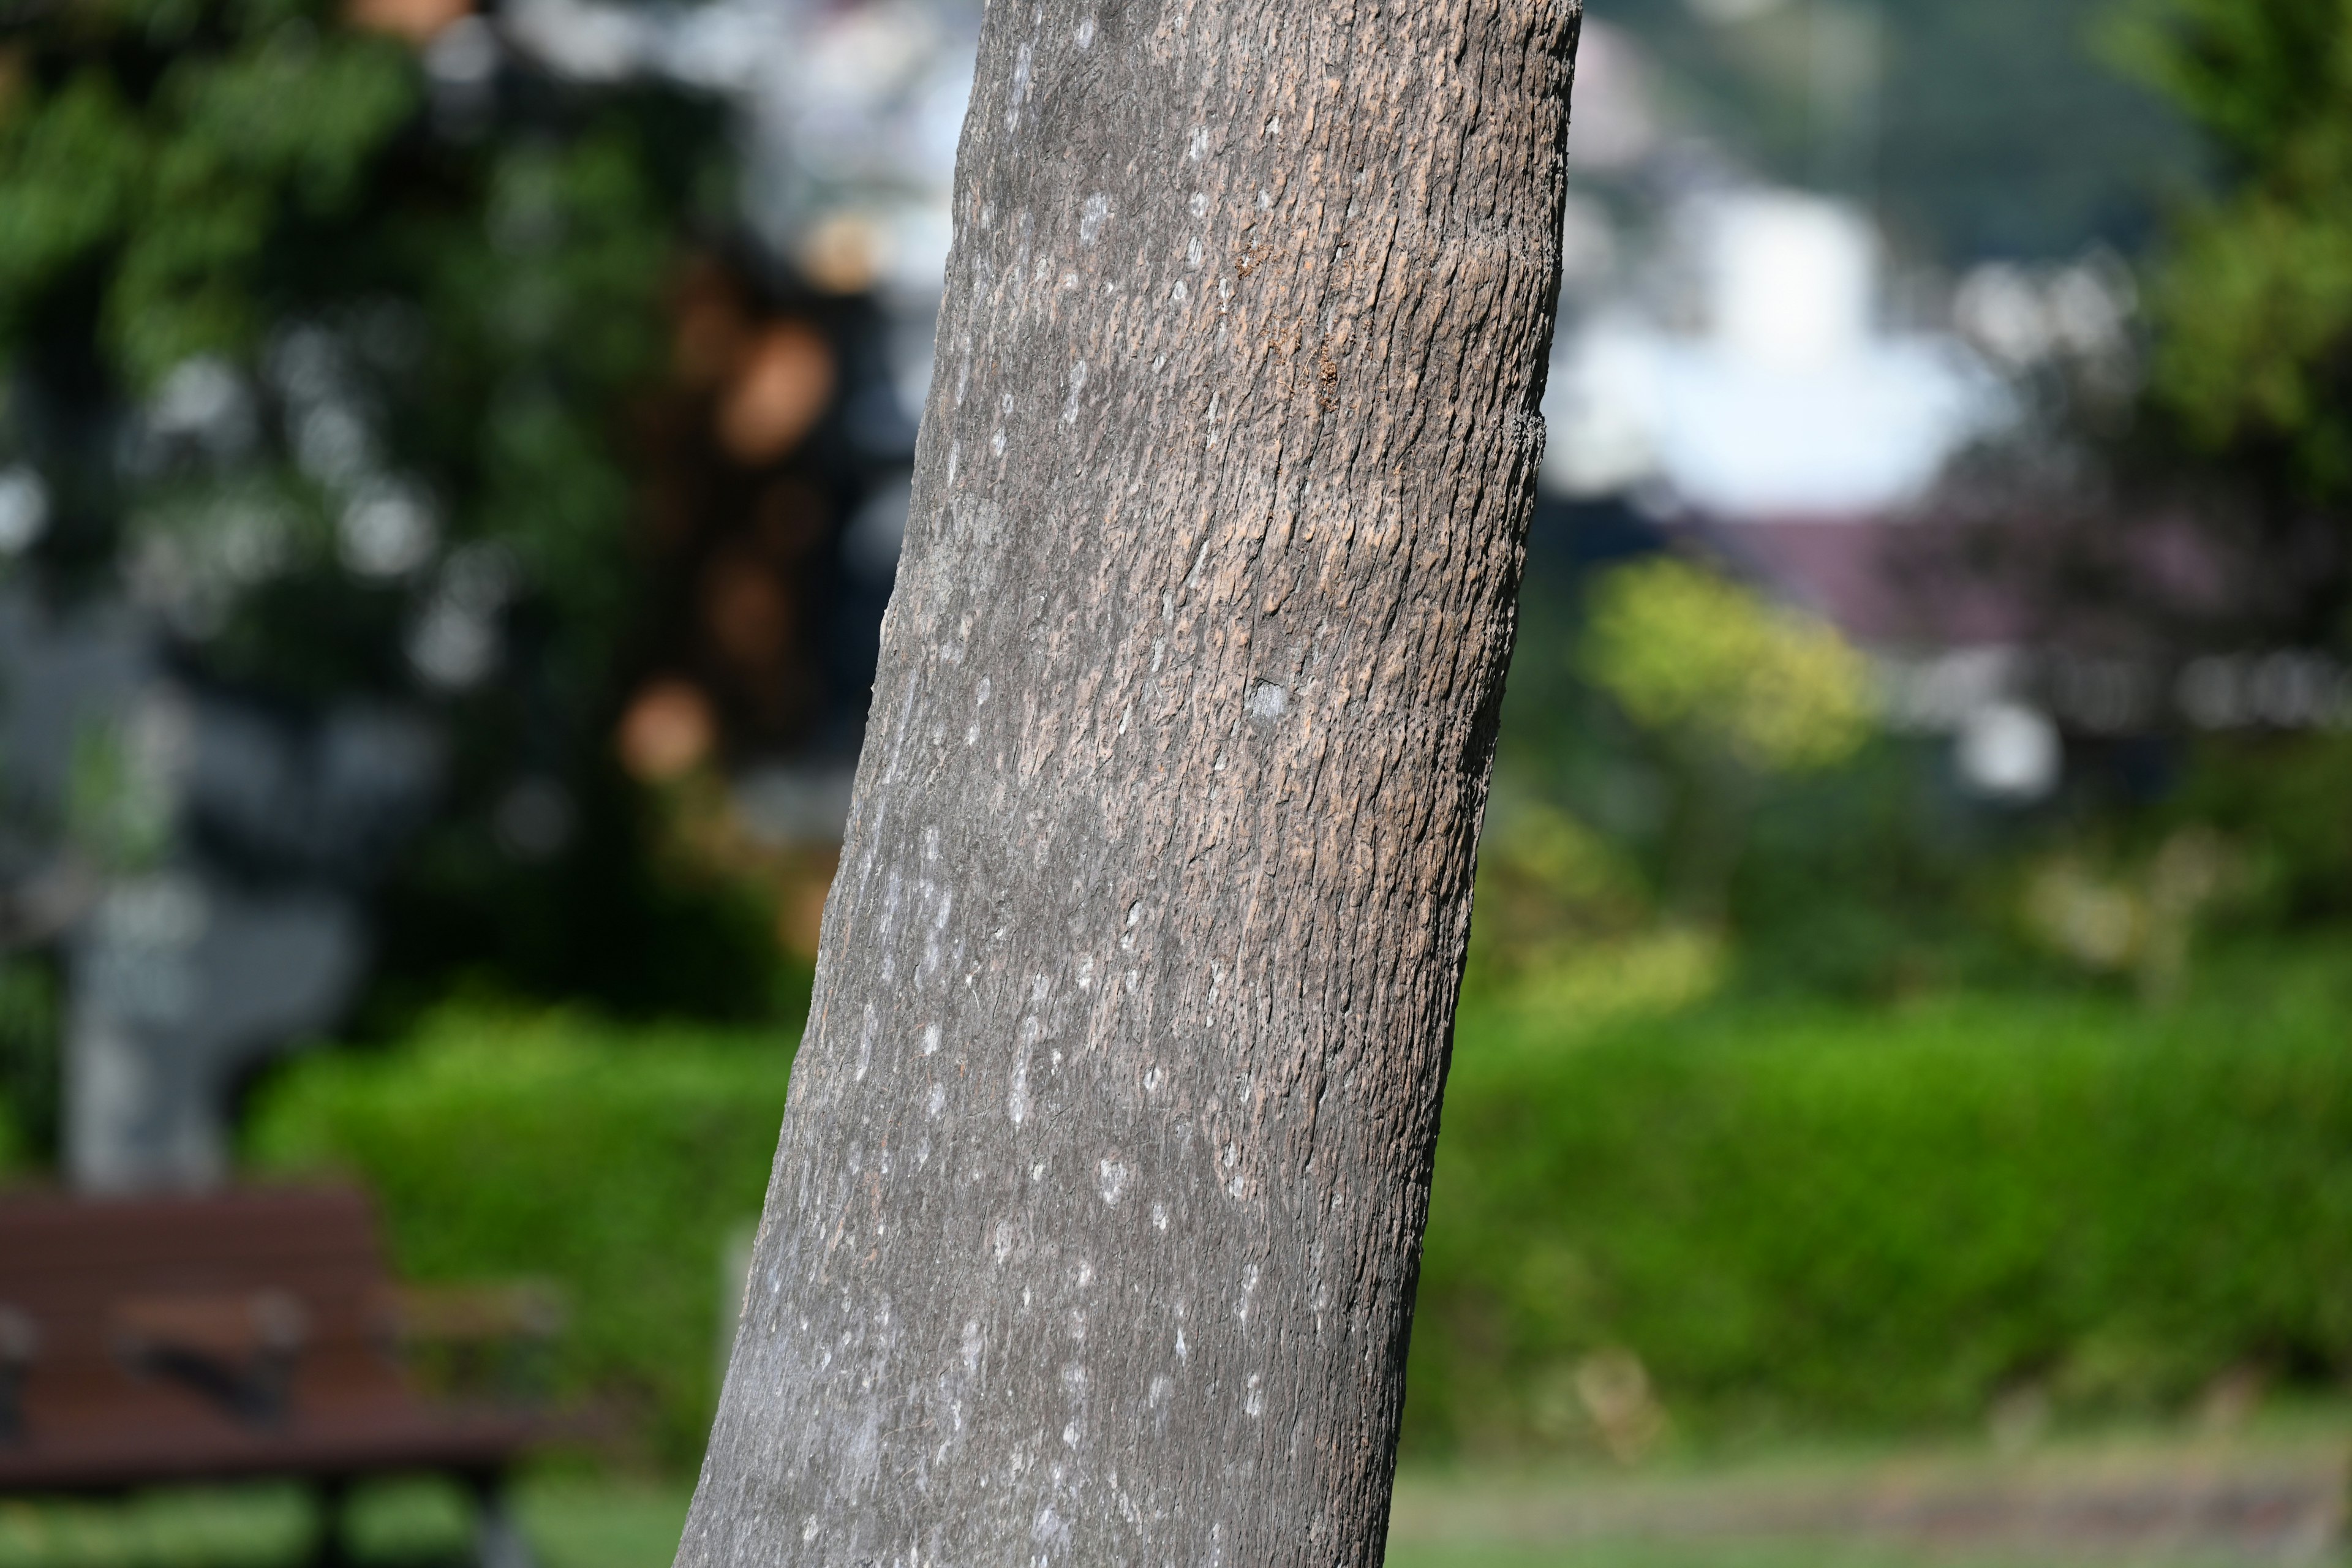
(1093, 1226)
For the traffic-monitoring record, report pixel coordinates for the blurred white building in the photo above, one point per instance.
(1759, 383)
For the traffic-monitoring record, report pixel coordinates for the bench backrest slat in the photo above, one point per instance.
(71, 1264)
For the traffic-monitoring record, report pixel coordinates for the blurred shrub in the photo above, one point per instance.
(2280, 799)
(1804, 1214)
(1681, 647)
(1721, 695)
(1873, 880)
(617, 1164)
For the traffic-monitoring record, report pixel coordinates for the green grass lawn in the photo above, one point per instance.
(1686, 1509)
(579, 1524)
(586, 1522)
(575, 1523)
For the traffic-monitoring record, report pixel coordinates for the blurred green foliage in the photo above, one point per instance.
(1784, 1214)
(1805, 1213)
(617, 1165)
(1682, 648)
(2280, 799)
(1683, 761)
(182, 187)
(189, 181)
(2245, 420)
(2253, 305)
(441, 300)
(624, 921)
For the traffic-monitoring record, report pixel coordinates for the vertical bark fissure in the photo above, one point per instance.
(1096, 1213)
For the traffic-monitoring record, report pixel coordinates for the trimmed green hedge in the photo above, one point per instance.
(1795, 1215)
(617, 1163)
(1807, 1215)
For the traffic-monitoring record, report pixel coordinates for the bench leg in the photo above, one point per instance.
(498, 1540)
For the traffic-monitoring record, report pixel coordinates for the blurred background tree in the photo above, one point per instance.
(2250, 299)
(331, 333)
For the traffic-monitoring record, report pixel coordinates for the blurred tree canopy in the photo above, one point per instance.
(371, 312)
(2251, 299)
(325, 331)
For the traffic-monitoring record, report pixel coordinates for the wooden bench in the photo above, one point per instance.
(239, 1335)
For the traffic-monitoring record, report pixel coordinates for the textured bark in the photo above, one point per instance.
(1093, 1232)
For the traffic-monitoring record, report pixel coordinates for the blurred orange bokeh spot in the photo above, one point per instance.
(667, 732)
(778, 394)
(415, 20)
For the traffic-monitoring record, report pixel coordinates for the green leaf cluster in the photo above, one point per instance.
(204, 182)
(175, 189)
(1683, 648)
(2252, 302)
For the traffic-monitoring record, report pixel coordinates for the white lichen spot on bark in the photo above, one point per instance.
(1021, 63)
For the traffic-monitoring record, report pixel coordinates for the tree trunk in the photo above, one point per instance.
(1093, 1232)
